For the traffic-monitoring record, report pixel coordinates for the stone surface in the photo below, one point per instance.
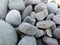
(8, 35)
(27, 28)
(27, 40)
(50, 16)
(44, 1)
(3, 8)
(45, 24)
(13, 17)
(56, 19)
(58, 11)
(29, 20)
(16, 4)
(40, 16)
(33, 2)
(27, 11)
(52, 7)
(39, 33)
(40, 7)
(56, 33)
(32, 15)
(50, 41)
(48, 32)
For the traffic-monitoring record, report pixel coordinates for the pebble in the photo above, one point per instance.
(50, 41)
(13, 17)
(45, 24)
(56, 33)
(48, 32)
(40, 7)
(16, 4)
(28, 29)
(39, 16)
(58, 11)
(56, 19)
(32, 15)
(39, 33)
(27, 11)
(52, 7)
(50, 16)
(29, 20)
(8, 35)
(3, 8)
(27, 40)
(33, 2)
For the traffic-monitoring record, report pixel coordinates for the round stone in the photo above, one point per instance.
(45, 24)
(27, 40)
(13, 17)
(56, 19)
(8, 35)
(52, 7)
(40, 7)
(50, 41)
(16, 4)
(44, 1)
(56, 33)
(27, 11)
(27, 28)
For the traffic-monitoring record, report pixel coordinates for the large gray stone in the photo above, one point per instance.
(16, 4)
(27, 28)
(52, 7)
(56, 33)
(56, 19)
(3, 8)
(45, 24)
(27, 11)
(13, 17)
(29, 20)
(58, 11)
(8, 35)
(50, 41)
(27, 40)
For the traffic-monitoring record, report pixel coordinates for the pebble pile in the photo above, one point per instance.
(29, 22)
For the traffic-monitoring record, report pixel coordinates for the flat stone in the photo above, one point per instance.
(3, 8)
(45, 24)
(39, 33)
(48, 32)
(52, 7)
(56, 33)
(50, 16)
(27, 28)
(8, 35)
(50, 41)
(58, 11)
(16, 4)
(33, 2)
(27, 40)
(27, 11)
(13, 17)
(56, 19)
(29, 20)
